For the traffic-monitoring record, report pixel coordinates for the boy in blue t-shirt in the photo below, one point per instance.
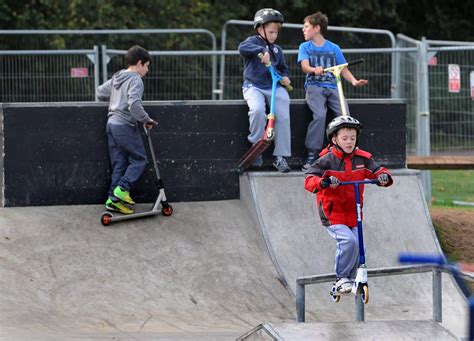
(315, 55)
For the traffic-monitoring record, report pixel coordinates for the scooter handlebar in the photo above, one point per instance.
(357, 61)
(421, 258)
(373, 181)
(337, 69)
(274, 73)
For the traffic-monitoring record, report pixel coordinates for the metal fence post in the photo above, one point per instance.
(105, 61)
(437, 296)
(96, 71)
(423, 120)
(300, 302)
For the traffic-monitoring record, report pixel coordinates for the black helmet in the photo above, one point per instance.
(266, 15)
(342, 122)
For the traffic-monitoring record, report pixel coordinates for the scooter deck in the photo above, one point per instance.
(251, 155)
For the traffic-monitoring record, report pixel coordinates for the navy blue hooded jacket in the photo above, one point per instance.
(255, 72)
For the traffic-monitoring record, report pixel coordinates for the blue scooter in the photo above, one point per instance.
(258, 148)
(360, 285)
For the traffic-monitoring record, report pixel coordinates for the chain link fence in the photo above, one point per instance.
(439, 121)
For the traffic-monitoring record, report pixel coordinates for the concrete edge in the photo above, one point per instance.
(248, 195)
(186, 102)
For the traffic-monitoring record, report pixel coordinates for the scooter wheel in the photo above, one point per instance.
(106, 219)
(270, 136)
(167, 210)
(335, 298)
(365, 294)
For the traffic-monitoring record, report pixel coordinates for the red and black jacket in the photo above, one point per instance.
(337, 205)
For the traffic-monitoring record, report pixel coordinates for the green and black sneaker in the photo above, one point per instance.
(117, 206)
(123, 195)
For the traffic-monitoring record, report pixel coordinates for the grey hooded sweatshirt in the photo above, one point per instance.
(124, 91)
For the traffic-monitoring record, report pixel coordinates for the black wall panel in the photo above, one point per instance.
(56, 154)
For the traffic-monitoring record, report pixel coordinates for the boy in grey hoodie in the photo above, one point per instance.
(127, 152)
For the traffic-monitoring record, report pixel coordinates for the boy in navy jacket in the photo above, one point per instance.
(257, 86)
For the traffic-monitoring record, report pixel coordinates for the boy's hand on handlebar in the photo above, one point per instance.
(383, 179)
(360, 82)
(331, 181)
(266, 58)
(318, 71)
(285, 81)
(150, 124)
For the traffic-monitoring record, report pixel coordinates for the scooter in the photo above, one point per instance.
(336, 71)
(166, 209)
(258, 148)
(360, 285)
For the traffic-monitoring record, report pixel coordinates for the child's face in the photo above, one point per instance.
(310, 31)
(142, 69)
(346, 138)
(271, 31)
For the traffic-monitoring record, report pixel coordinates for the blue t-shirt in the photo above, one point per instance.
(328, 55)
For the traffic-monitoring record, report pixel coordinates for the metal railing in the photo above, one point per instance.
(18, 86)
(352, 30)
(301, 282)
(438, 121)
(192, 78)
(46, 76)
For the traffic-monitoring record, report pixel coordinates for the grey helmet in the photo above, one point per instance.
(342, 122)
(266, 15)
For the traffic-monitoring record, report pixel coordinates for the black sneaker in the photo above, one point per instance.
(308, 162)
(281, 164)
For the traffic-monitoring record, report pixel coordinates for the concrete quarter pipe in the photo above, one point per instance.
(213, 270)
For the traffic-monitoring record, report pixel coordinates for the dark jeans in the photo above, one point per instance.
(127, 155)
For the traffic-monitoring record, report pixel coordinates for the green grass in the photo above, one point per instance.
(449, 185)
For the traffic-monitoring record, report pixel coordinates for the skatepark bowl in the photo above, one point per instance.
(223, 270)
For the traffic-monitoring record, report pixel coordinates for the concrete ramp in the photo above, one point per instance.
(396, 220)
(373, 330)
(213, 270)
(203, 273)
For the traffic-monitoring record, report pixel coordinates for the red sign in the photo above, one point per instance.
(79, 72)
(433, 61)
(454, 78)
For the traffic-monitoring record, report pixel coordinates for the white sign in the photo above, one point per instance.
(472, 84)
(454, 78)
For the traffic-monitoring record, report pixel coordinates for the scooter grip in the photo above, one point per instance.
(421, 258)
(357, 61)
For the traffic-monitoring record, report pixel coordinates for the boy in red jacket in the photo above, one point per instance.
(341, 161)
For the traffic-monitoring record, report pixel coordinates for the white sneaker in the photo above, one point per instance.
(344, 285)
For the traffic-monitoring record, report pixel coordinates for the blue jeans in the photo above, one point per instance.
(127, 155)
